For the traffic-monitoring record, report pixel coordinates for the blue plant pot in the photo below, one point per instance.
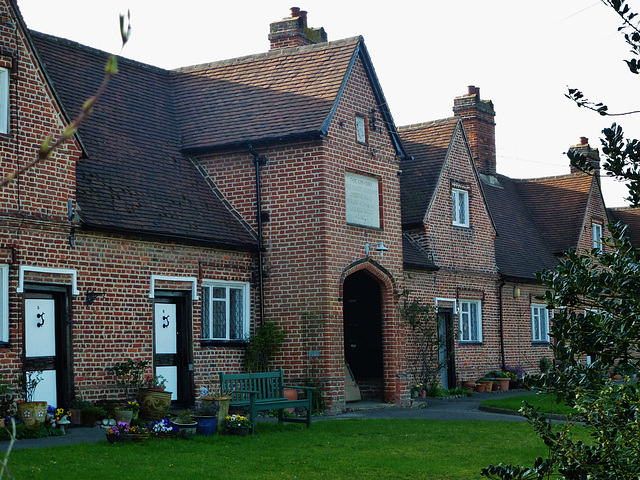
(206, 425)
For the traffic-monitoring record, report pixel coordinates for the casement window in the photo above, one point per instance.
(225, 310)
(4, 100)
(470, 316)
(361, 129)
(4, 303)
(596, 234)
(539, 323)
(460, 207)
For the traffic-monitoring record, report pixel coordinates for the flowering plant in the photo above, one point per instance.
(131, 405)
(119, 428)
(60, 413)
(237, 421)
(418, 390)
(158, 427)
(135, 429)
(155, 381)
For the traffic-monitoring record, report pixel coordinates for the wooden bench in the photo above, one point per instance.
(255, 392)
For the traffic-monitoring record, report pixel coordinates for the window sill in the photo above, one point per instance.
(222, 343)
(540, 342)
(4, 345)
(470, 342)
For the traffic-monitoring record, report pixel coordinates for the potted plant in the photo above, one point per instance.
(153, 399)
(91, 415)
(206, 415)
(163, 428)
(33, 413)
(262, 346)
(155, 382)
(75, 408)
(118, 433)
(500, 379)
(238, 425)
(221, 399)
(186, 424)
(61, 419)
(129, 375)
(7, 404)
(125, 412)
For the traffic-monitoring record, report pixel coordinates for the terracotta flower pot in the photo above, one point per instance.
(503, 384)
(123, 416)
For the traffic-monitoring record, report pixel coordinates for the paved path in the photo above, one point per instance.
(465, 408)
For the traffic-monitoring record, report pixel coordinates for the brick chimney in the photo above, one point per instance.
(478, 119)
(592, 154)
(293, 31)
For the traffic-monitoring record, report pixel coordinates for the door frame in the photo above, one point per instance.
(63, 360)
(184, 343)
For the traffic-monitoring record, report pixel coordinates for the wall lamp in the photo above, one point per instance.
(516, 291)
(379, 248)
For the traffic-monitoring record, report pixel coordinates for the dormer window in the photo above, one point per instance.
(4, 101)
(460, 207)
(361, 129)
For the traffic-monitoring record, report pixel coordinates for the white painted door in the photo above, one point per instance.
(40, 345)
(166, 344)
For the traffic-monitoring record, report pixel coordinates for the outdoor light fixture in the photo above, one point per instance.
(516, 291)
(379, 248)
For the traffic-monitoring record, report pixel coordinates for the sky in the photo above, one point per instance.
(522, 54)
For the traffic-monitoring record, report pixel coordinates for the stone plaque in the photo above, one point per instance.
(363, 202)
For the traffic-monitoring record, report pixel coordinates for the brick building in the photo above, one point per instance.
(195, 204)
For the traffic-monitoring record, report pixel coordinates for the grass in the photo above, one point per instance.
(334, 449)
(544, 401)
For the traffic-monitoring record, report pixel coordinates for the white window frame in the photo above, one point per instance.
(4, 303)
(596, 236)
(4, 100)
(460, 198)
(207, 297)
(361, 129)
(539, 323)
(465, 321)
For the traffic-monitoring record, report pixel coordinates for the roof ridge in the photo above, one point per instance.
(550, 177)
(270, 53)
(93, 51)
(416, 126)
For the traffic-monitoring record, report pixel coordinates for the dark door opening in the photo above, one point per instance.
(446, 342)
(172, 357)
(363, 332)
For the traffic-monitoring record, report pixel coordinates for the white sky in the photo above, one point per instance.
(522, 55)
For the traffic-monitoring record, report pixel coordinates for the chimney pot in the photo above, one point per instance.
(584, 141)
(295, 12)
(303, 16)
(473, 90)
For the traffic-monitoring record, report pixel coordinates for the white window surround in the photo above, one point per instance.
(460, 207)
(470, 320)
(4, 303)
(539, 323)
(207, 311)
(192, 280)
(58, 271)
(596, 235)
(4, 100)
(361, 129)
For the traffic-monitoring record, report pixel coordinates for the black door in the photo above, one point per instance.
(363, 325)
(446, 341)
(172, 345)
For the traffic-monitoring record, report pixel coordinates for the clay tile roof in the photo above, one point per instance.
(558, 206)
(284, 93)
(428, 144)
(521, 249)
(414, 256)
(135, 179)
(631, 217)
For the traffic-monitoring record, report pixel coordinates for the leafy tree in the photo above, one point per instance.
(596, 299)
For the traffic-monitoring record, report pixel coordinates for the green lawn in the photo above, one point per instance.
(546, 402)
(333, 449)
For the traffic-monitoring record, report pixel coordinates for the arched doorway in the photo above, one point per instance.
(362, 315)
